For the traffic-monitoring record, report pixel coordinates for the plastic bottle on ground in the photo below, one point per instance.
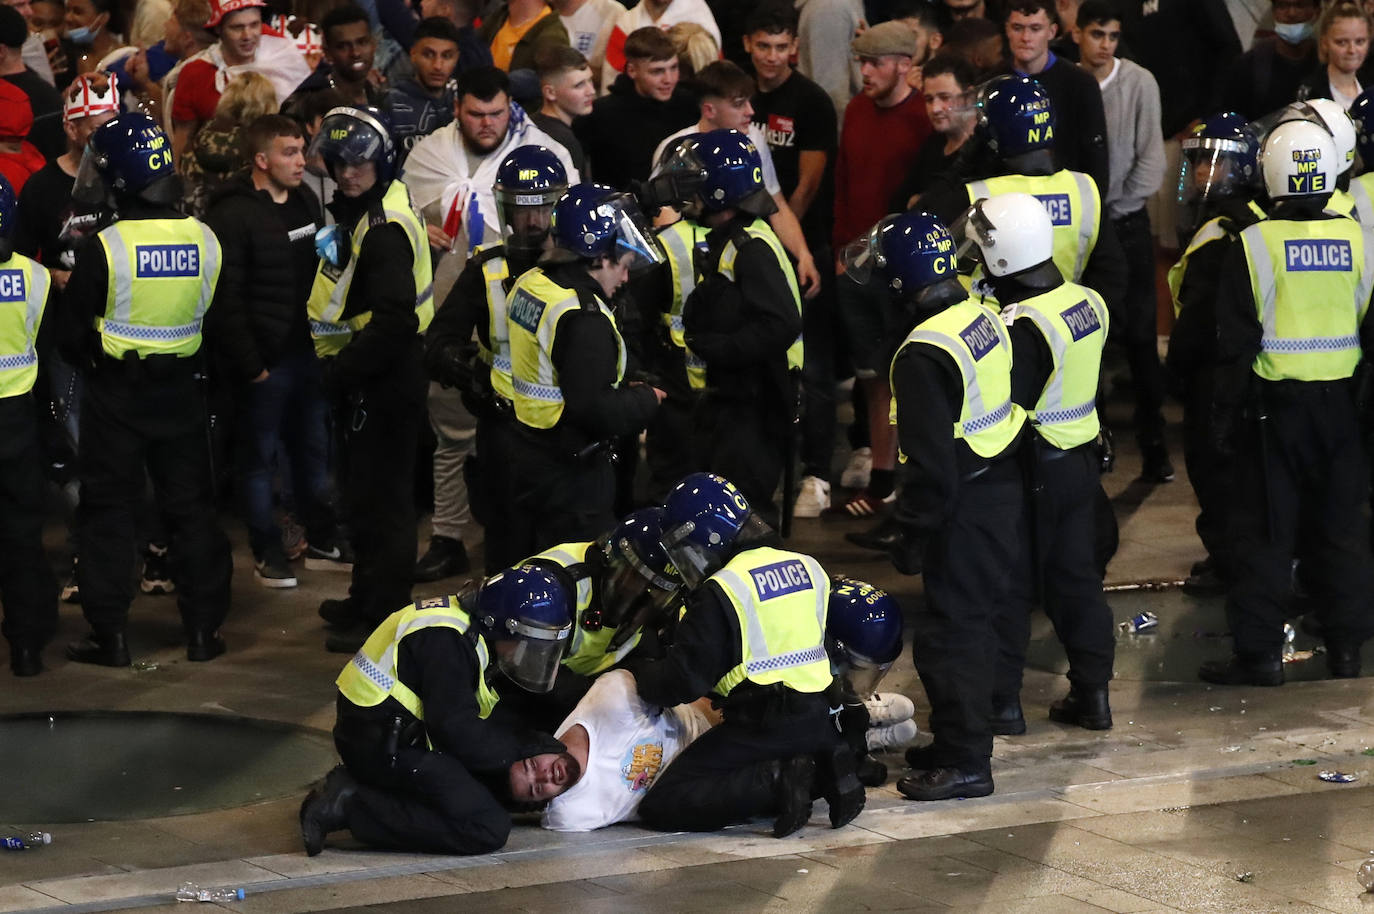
(189, 891)
(31, 841)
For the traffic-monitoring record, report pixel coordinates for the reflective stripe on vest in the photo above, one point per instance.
(760, 229)
(1211, 231)
(161, 281)
(1075, 207)
(536, 305)
(975, 337)
(1364, 204)
(1311, 282)
(370, 677)
(780, 600)
(329, 294)
(495, 272)
(23, 292)
(587, 652)
(681, 241)
(1073, 320)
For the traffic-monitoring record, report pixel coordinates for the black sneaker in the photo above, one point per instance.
(1155, 465)
(272, 570)
(333, 557)
(157, 576)
(445, 558)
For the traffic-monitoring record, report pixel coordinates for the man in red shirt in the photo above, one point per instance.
(884, 128)
(18, 157)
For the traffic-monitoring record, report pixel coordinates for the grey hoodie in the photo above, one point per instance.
(824, 32)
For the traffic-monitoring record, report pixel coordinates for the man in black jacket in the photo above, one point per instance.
(266, 221)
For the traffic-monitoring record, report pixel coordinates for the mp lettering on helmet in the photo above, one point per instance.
(529, 174)
(781, 579)
(1307, 179)
(980, 337)
(166, 261)
(12, 287)
(1058, 206)
(1317, 256)
(1041, 129)
(1082, 319)
(338, 133)
(526, 310)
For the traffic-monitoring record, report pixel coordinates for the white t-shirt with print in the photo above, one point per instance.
(590, 28)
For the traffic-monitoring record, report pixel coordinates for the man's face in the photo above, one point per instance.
(540, 778)
(1097, 42)
(284, 161)
(483, 124)
(728, 113)
(947, 104)
(434, 60)
(654, 79)
(771, 54)
(612, 273)
(1292, 12)
(355, 180)
(1029, 36)
(960, 9)
(239, 34)
(79, 130)
(530, 224)
(574, 92)
(25, 9)
(349, 49)
(882, 74)
(46, 15)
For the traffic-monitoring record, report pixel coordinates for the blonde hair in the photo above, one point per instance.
(1341, 9)
(146, 26)
(695, 47)
(247, 97)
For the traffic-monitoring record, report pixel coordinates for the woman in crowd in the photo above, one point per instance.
(1342, 46)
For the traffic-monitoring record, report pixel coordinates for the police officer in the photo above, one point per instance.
(743, 321)
(1292, 324)
(753, 638)
(863, 636)
(568, 368)
(27, 585)
(424, 763)
(371, 299)
(959, 511)
(528, 183)
(134, 305)
(1219, 177)
(1362, 186)
(1058, 329)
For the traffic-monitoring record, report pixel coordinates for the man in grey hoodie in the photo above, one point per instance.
(824, 30)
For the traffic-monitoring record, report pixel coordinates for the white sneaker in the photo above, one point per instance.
(889, 739)
(888, 708)
(858, 469)
(813, 498)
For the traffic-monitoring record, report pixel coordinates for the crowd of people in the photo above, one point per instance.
(543, 263)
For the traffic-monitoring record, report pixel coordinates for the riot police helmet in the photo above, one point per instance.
(863, 633)
(1008, 233)
(591, 221)
(1362, 115)
(908, 251)
(704, 517)
(1299, 160)
(1335, 119)
(1220, 161)
(639, 583)
(1017, 114)
(525, 613)
(728, 170)
(129, 156)
(529, 182)
(354, 136)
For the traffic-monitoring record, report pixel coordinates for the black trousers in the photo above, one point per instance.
(380, 434)
(744, 441)
(668, 449)
(730, 773)
(148, 417)
(1209, 471)
(559, 499)
(821, 330)
(427, 801)
(1301, 488)
(1059, 566)
(28, 590)
(496, 449)
(955, 643)
(1139, 331)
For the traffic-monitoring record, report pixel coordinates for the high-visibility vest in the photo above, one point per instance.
(161, 280)
(1075, 207)
(1342, 203)
(780, 600)
(1311, 282)
(491, 258)
(536, 306)
(1073, 320)
(1211, 230)
(760, 229)
(977, 340)
(328, 328)
(1362, 193)
(684, 242)
(23, 293)
(587, 654)
(370, 677)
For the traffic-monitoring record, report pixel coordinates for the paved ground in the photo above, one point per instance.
(1195, 788)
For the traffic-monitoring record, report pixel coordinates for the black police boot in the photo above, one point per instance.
(26, 660)
(1007, 719)
(339, 613)
(348, 640)
(444, 558)
(1238, 670)
(793, 794)
(921, 758)
(871, 772)
(1206, 580)
(202, 646)
(884, 537)
(946, 784)
(102, 649)
(326, 809)
(839, 784)
(1083, 707)
(1154, 462)
(1343, 660)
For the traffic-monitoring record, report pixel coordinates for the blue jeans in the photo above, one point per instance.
(287, 416)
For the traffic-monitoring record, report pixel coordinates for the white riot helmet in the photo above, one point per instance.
(1299, 159)
(1337, 122)
(1013, 232)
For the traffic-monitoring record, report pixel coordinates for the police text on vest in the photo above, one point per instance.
(1058, 206)
(780, 579)
(1304, 256)
(980, 337)
(166, 261)
(1081, 319)
(12, 286)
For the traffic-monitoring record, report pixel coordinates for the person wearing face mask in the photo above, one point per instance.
(1266, 77)
(1343, 34)
(88, 28)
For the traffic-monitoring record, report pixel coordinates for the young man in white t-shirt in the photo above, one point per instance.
(618, 745)
(589, 24)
